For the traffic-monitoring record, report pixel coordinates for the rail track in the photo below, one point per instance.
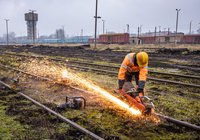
(113, 70)
(167, 118)
(154, 60)
(149, 78)
(111, 56)
(100, 65)
(59, 116)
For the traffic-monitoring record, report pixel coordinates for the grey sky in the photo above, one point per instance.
(75, 15)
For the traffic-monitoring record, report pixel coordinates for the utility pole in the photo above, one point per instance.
(168, 31)
(159, 34)
(138, 42)
(155, 34)
(177, 11)
(140, 30)
(128, 28)
(82, 35)
(95, 35)
(103, 26)
(190, 32)
(7, 30)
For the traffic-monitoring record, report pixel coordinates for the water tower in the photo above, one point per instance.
(31, 19)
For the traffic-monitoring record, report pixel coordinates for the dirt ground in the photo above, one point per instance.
(100, 116)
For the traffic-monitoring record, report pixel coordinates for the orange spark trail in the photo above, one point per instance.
(70, 76)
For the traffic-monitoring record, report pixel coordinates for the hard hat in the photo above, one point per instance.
(142, 59)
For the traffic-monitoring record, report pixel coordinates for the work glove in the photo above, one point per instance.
(120, 84)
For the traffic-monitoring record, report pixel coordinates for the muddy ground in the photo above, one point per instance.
(24, 120)
(164, 55)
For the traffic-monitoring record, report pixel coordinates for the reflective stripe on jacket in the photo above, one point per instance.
(129, 62)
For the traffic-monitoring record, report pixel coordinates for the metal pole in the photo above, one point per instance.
(138, 41)
(7, 30)
(177, 11)
(140, 30)
(95, 35)
(159, 34)
(155, 34)
(190, 32)
(168, 31)
(103, 26)
(127, 28)
(82, 35)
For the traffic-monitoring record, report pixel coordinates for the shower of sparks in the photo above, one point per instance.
(48, 69)
(66, 75)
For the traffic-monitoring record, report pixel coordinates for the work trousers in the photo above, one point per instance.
(128, 78)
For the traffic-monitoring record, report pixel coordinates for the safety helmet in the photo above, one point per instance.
(142, 59)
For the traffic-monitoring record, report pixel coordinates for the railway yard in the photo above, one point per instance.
(35, 80)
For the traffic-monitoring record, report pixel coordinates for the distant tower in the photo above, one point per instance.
(31, 19)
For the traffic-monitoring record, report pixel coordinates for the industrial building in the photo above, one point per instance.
(179, 38)
(60, 34)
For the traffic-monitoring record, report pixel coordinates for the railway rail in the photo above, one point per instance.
(167, 118)
(119, 57)
(150, 71)
(99, 69)
(106, 66)
(64, 119)
(149, 78)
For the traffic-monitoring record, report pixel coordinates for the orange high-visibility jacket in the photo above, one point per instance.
(129, 62)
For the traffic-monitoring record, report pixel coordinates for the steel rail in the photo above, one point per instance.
(115, 73)
(150, 71)
(174, 82)
(73, 124)
(178, 122)
(107, 66)
(149, 78)
(155, 61)
(169, 119)
(113, 54)
(111, 72)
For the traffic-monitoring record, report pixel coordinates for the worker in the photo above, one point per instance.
(134, 64)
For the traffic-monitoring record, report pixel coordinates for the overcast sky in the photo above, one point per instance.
(75, 15)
